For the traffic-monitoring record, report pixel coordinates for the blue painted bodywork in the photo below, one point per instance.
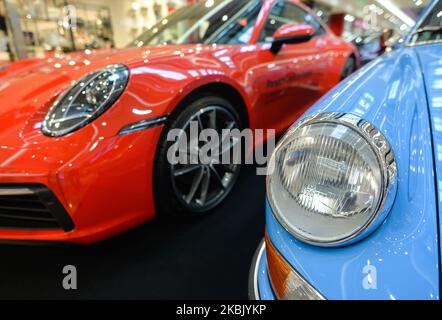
(401, 94)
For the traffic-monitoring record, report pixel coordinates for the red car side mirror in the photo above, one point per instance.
(291, 34)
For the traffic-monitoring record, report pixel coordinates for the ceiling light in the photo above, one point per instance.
(387, 4)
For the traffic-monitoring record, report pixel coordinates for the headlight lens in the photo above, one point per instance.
(334, 179)
(86, 100)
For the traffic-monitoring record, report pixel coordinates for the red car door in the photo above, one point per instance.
(288, 83)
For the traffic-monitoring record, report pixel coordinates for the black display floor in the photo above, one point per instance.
(202, 258)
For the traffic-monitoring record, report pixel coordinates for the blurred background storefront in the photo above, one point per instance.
(34, 28)
(38, 28)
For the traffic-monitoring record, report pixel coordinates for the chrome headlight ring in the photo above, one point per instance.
(339, 125)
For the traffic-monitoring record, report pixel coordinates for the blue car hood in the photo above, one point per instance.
(430, 58)
(401, 258)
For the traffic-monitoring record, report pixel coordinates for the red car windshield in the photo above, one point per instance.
(223, 22)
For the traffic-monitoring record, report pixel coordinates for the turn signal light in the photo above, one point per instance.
(286, 282)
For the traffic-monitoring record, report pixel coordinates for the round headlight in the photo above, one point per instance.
(334, 179)
(86, 100)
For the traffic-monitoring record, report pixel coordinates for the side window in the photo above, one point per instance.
(285, 12)
(311, 20)
(239, 28)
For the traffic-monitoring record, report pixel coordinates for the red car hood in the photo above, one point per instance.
(28, 88)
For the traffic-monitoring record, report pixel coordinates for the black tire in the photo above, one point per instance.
(170, 199)
(349, 68)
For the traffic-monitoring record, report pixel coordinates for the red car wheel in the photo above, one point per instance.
(195, 188)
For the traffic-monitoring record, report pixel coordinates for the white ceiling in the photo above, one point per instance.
(360, 4)
(408, 3)
(358, 8)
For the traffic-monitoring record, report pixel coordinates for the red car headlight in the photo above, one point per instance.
(86, 100)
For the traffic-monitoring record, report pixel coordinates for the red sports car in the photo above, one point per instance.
(83, 148)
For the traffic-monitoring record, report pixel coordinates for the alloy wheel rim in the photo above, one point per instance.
(200, 187)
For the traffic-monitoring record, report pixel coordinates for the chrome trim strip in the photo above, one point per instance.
(15, 192)
(253, 286)
(387, 162)
(143, 125)
(254, 294)
(424, 43)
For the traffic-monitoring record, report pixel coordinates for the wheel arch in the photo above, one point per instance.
(222, 89)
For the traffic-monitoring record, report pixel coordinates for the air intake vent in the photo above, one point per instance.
(32, 207)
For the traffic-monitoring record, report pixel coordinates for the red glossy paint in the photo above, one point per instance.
(294, 30)
(104, 180)
(337, 23)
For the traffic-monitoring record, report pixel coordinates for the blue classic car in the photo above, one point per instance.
(355, 187)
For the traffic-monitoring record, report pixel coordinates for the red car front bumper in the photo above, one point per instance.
(104, 186)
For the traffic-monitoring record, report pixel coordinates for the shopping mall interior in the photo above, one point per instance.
(345, 94)
(35, 28)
